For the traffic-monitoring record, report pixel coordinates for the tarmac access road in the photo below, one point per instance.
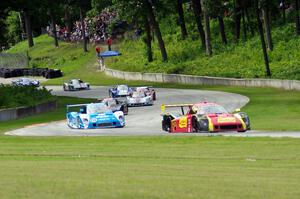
(146, 120)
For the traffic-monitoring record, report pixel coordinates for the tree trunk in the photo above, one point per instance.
(262, 39)
(68, 24)
(83, 30)
(148, 39)
(297, 17)
(181, 20)
(53, 27)
(156, 28)
(267, 28)
(207, 31)
(237, 19)
(28, 29)
(222, 29)
(249, 22)
(197, 12)
(244, 26)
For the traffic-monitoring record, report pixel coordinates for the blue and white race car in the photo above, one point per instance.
(120, 91)
(25, 82)
(92, 116)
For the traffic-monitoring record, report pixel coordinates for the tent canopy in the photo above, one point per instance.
(109, 54)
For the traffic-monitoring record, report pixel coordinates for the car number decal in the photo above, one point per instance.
(226, 119)
(183, 122)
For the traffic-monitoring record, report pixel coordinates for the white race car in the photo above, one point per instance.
(75, 84)
(139, 99)
(25, 82)
(148, 90)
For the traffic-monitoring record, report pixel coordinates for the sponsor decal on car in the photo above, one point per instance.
(183, 122)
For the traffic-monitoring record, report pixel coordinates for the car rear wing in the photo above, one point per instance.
(164, 106)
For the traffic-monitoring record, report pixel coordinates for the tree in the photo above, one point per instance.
(237, 19)
(148, 39)
(181, 20)
(297, 17)
(150, 12)
(205, 8)
(262, 39)
(196, 5)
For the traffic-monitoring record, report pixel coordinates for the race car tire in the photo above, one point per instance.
(64, 87)
(203, 125)
(124, 109)
(71, 88)
(154, 96)
(195, 125)
(166, 123)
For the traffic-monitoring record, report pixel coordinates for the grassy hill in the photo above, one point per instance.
(242, 60)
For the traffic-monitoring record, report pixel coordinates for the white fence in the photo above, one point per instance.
(203, 80)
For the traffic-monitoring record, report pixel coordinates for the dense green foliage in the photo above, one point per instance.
(16, 96)
(242, 60)
(149, 167)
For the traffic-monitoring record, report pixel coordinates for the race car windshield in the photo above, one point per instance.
(122, 88)
(111, 103)
(97, 108)
(138, 94)
(212, 109)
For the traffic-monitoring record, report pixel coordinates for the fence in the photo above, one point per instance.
(203, 80)
(13, 60)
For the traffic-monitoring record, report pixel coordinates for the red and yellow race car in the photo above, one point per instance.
(203, 117)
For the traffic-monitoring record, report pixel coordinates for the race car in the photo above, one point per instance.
(75, 84)
(92, 116)
(148, 90)
(116, 104)
(25, 82)
(139, 99)
(203, 117)
(120, 91)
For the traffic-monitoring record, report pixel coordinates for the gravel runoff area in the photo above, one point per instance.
(145, 120)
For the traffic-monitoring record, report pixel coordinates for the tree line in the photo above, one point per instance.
(250, 17)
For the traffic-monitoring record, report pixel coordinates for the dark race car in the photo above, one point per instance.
(203, 117)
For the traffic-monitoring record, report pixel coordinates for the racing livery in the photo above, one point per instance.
(25, 82)
(139, 99)
(120, 91)
(92, 116)
(75, 84)
(148, 90)
(204, 116)
(116, 104)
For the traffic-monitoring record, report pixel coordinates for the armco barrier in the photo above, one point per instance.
(204, 80)
(21, 112)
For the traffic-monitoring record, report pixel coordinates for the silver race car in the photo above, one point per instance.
(76, 84)
(139, 99)
(25, 82)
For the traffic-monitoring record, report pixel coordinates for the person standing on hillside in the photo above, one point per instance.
(109, 43)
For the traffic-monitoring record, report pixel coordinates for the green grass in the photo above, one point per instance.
(149, 167)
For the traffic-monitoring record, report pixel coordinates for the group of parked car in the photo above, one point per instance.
(18, 72)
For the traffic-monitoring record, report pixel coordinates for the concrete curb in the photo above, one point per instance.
(21, 112)
(204, 80)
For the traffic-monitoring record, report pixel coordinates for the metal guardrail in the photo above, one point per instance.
(13, 60)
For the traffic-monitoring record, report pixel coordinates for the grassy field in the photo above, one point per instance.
(149, 167)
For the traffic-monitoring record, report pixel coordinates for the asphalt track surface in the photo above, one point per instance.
(145, 120)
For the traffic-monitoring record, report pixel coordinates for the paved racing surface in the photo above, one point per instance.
(144, 120)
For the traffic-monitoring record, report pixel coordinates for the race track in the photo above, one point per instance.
(140, 120)
(145, 120)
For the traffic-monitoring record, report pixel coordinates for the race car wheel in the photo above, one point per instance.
(203, 125)
(71, 88)
(166, 123)
(154, 96)
(65, 88)
(125, 110)
(195, 124)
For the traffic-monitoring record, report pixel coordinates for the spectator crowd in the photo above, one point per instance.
(96, 28)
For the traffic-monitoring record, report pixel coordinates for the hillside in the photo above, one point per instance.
(242, 60)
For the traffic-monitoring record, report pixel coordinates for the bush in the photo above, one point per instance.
(16, 96)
